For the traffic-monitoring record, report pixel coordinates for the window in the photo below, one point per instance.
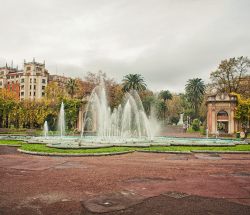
(34, 87)
(22, 87)
(30, 80)
(22, 93)
(8, 77)
(34, 94)
(34, 80)
(22, 80)
(43, 94)
(28, 68)
(43, 81)
(30, 87)
(12, 77)
(30, 93)
(43, 87)
(1, 83)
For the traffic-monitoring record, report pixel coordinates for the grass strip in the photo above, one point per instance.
(44, 148)
(11, 142)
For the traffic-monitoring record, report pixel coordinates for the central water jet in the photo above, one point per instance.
(127, 122)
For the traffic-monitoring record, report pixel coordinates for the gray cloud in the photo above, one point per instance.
(166, 41)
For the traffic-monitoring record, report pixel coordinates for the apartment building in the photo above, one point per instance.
(33, 81)
(28, 83)
(10, 78)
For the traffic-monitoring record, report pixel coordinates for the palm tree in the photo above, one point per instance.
(133, 82)
(71, 87)
(195, 90)
(165, 95)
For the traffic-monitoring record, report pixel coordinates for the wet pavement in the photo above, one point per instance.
(136, 183)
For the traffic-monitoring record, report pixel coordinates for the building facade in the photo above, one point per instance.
(10, 79)
(29, 83)
(33, 81)
(221, 109)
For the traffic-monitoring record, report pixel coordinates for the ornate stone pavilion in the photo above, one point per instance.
(220, 114)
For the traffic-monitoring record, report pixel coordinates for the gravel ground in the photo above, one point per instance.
(137, 183)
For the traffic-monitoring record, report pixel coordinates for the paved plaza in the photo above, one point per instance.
(135, 183)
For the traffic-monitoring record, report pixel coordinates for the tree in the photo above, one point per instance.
(71, 87)
(94, 79)
(175, 108)
(195, 90)
(8, 100)
(54, 92)
(133, 82)
(165, 95)
(148, 100)
(230, 73)
(243, 110)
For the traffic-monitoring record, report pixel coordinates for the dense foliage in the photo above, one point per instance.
(232, 75)
(32, 114)
(134, 82)
(195, 90)
(243, 110)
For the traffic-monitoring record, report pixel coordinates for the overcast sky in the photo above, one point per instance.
(167, 41)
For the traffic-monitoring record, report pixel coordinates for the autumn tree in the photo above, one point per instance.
(175, 108)
(54, 92)
(243, 110)
(165, 95)
(229, 75)
(8, 100)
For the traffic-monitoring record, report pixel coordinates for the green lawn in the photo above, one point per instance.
(44, 148)
(11, 142)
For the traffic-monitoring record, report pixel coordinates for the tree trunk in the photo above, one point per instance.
(7, 121)
(1, 119)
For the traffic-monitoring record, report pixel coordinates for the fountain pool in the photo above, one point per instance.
(126, 125)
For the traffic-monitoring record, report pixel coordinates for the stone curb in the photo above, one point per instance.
(221, 152)
(126, 152)
(74, 154)
(166, 152)
(201, 145)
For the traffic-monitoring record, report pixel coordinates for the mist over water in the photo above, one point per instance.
(126, 121)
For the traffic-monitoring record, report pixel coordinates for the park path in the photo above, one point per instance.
(136, 183)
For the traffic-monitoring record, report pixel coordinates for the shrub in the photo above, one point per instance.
(196, 125)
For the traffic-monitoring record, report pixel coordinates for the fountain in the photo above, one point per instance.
(126, 123)
(61, 121)
(45, 129)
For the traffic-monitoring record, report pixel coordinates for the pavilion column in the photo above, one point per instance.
(80, 119)
(214, 122)
(231, 121)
